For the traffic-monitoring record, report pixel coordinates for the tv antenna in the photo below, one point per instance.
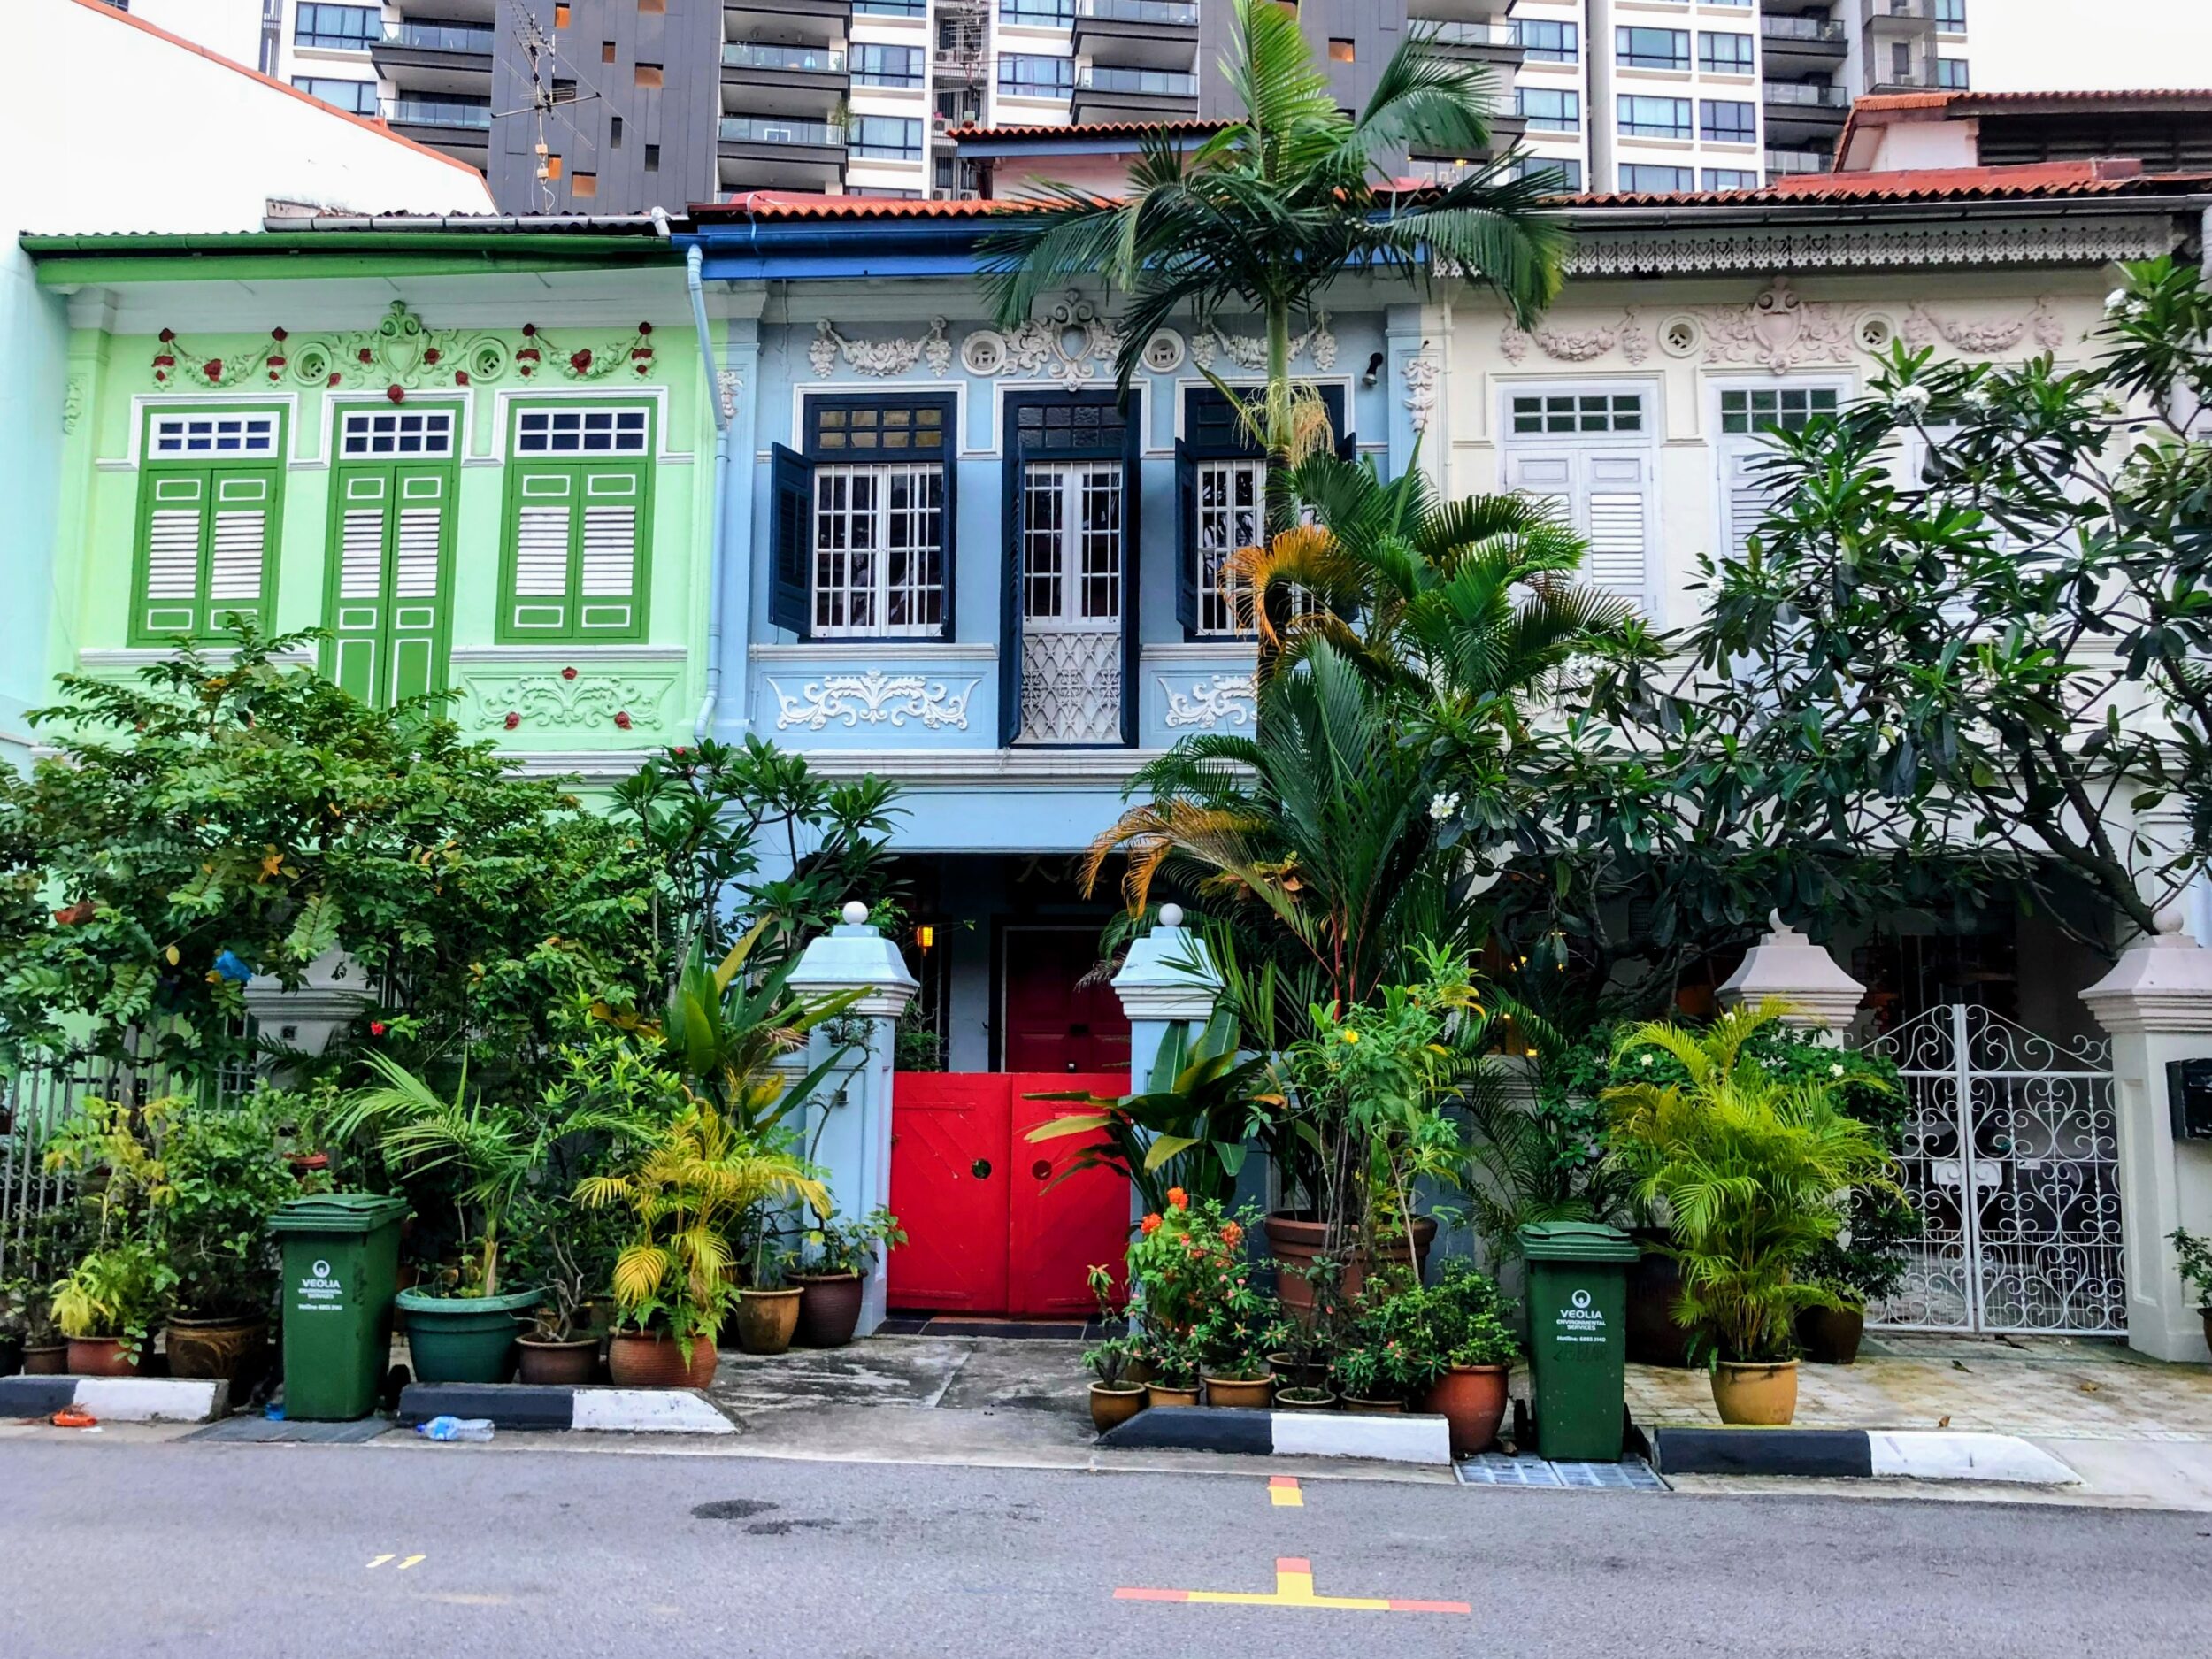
(549, 96)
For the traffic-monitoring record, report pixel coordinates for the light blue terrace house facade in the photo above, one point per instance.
(955, 556)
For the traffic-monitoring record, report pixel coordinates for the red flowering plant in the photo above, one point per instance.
(1187, 1261)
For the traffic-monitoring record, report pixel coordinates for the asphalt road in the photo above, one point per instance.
(436, 1552)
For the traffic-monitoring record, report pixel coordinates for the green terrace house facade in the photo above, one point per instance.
(470, 450)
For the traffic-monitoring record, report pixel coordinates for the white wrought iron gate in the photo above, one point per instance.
(2010, 1156)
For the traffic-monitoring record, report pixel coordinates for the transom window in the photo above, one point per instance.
(424, 431)
(182, 437)
(1579, 412)
(876, 427)
(1784, 409)
(582, 431)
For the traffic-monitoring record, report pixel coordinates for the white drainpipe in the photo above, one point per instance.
(704, 723)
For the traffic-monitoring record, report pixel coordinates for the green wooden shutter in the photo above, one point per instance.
(610, 550)
(204, 538)
(356, 613)
(542, 526)
(421, 536)
(173, 526)
(237, 562)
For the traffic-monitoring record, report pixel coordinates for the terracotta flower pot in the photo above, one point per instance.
(1304, 1400)
(829, 1309)
(1472, 1399)
(1361, 1408)
(1240, 1393)
(46, 1359)
(1109, 1406)
(1297, 1240)
(1761, 1393)
(654, 1359)
(101, 1356)
(561, 1363)
(234, 1349)
(766, 1319)
(1158, 1395)
(1830, 1336)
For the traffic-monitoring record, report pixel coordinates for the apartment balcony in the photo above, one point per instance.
(1803, 111)
(1782, 162)
(459, 127)
(768, 78)
(1458, 11)
(1898, 44)
(1137, 34)
(1495, 45)
(768, 152)
(794, 22)
(436, 56)
(1133, 95)
(1803, 45)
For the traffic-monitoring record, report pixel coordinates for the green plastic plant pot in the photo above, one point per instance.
(465, 1339)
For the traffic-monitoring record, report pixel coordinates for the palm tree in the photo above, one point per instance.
(1284, 201)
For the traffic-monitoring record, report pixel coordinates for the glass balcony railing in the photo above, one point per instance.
(440, 37)
(1782, 161)
(1151, 83)
(1161, 13)
(768, 129)
(1825, 29)
(437, 112)
(1471, 33)
(1797, 92)
(812, 60)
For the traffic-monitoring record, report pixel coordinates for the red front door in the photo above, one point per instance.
(988, 1230)
(1053, 1022)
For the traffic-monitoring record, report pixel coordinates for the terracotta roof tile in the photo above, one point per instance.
(1100, 129)
(2034, 180)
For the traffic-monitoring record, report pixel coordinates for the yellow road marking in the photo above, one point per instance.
(409, 1562)
(1282, 1492)
(1294, 1587)
(379, 1561)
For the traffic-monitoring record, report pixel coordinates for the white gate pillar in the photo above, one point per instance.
(2157, 1004)
(1787, 967)
(332, 993)
(855, 1134)
(1166, 976)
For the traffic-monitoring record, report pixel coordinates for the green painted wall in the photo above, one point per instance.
(563, 697)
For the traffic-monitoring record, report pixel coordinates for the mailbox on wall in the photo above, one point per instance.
(2189, 1097)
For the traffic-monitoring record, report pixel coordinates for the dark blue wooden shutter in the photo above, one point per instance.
(1009, 609)
(791, 484)
(949, 532)
(1186, 539)
(1133, 538)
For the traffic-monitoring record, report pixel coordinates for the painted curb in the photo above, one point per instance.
(1395, 1439)
(1856, 1454)
(117, 1399)
(533, 1406)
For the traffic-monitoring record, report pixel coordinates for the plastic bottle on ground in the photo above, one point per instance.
(456, 1429)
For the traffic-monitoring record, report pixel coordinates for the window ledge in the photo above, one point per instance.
(558, 653)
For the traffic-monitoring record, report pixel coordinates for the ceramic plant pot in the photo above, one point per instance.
(1472, 1399)
(1109, 1406)
(46, 1359)
(654, 1359)
(236, 1350)
(1830, 1336)
(1290, 1374)
(560, 1364)
(829, 1309)
(1304, 1400)
(1240, 1393)
(465, 1339)
(766, 1319)
(1763, 1394)
(1360, 1407)
(100, 1357)
(1159, 1396)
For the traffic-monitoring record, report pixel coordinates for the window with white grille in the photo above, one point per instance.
(1072, 544)
(878, 549)
(215, 435)
(368, 435)
(582, 429)
(1232, 515)
(1577, 411)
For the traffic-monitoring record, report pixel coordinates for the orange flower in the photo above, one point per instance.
(1150, 1225)
(1179, 1198)
(1232, 1235)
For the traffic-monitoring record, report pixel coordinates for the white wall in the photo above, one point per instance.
(2071, 45)
(231, 27)
(114, 127)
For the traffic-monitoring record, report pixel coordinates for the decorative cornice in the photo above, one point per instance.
(879, 359)
(2092, 243)
(967, 768)
(593, 656)
(1577, 345)
(144, 655)
(873, 698)
(1249, 351)
(829, 655)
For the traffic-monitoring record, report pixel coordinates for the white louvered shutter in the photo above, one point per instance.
(1745, 495)
(1616, 507)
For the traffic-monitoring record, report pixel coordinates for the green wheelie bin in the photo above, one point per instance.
(1578, 1337)
(340, 1274)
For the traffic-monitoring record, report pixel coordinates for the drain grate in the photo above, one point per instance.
(283, 1431)
(1496, 1469)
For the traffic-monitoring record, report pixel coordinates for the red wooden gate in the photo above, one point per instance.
(988, 1230)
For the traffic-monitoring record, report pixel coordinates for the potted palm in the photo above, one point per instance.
(835, 1260)
(683, 1187)
(1753, 1173)
(464, 1326)
(1465, 1354)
